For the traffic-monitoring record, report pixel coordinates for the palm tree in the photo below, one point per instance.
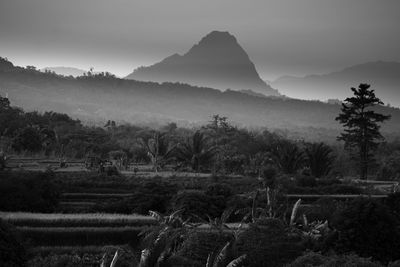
(319, 159)
(196, 152)
(163, 239)
(159, 149)
(288, 157)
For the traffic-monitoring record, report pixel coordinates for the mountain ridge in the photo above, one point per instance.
(217, 61)
(99, 97)
(384, 77)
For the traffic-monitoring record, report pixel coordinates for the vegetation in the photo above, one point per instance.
(217, 195)
(361, 123)
(12, 252)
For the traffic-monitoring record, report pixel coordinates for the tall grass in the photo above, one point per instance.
(80, 236)
(75, 220)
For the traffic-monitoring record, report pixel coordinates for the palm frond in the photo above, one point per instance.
(238, 262)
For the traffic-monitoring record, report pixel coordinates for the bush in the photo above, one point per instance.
(393, 203)
(313, 259)
(218, 189)
(152, 195)
(126, 256)
(12, 253)
(367, 228)
(199, 244)
(198, 203)
(35, 192)
(324, 209)
(269, 243)
(81, 236)
(64, 260)
(306, 181)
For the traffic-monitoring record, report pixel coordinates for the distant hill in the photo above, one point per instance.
(100, 97)
(65, 71)
(383, 76)
(217, 61)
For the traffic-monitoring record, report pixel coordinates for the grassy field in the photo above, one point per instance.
(28, 219)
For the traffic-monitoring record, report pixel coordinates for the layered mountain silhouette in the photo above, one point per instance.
(100, 97)
(217, 61)
(384, 78)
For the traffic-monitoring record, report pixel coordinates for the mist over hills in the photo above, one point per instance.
(65, 71)
(383, 76)
(100, 97)
(217, 61)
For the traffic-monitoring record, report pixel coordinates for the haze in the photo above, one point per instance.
(281, 37)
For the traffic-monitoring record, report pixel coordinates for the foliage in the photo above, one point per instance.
(165, 239)
(80, 236)
(306, 181)
(319, 159)
(159, 149)
(219, 189)
(288, 157)
(34, 192)
(152, 195)
(369, 229)
(196, 152)
(389, 168)
(75, 220)
(64, 260)
(198, 203)
(269, 242)
(12, 252)
(393, 203)
(199, 244)
(314, 259)
(361, 124)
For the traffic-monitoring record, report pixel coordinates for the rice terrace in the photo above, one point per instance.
(199, 133)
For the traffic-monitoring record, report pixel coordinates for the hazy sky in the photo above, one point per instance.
(294, 37)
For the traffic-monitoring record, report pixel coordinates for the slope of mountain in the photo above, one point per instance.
(217, 61)
(65, 71)
(100, 97)
(383, 76)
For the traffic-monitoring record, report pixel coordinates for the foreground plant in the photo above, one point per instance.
(224, 257)
(164, 239)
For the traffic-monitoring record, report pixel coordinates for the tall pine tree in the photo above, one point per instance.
(361, 123)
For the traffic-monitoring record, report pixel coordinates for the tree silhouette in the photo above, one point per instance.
(288, 157)
(360, 121)
(319, 159)
(196, 151)
(158, 149)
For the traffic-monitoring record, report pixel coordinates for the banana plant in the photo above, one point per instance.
(224, 257)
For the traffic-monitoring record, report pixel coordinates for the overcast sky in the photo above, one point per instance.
(282, 37)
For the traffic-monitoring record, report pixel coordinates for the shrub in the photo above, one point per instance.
(306, 181)
(152, 195)
(198, 203)
(313, 259)
(330, 181)
(126, 257)
(81, 236)
(35, 192)
(218, 189)
(324, 209)
(269, 243)
(12, 253)
(393, 203)
(64, 260)
(199, 244)
(367, 228)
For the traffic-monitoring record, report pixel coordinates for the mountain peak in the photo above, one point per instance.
(218, 36)
(217, 61)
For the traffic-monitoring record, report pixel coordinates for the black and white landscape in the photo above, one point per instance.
(210, 133)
